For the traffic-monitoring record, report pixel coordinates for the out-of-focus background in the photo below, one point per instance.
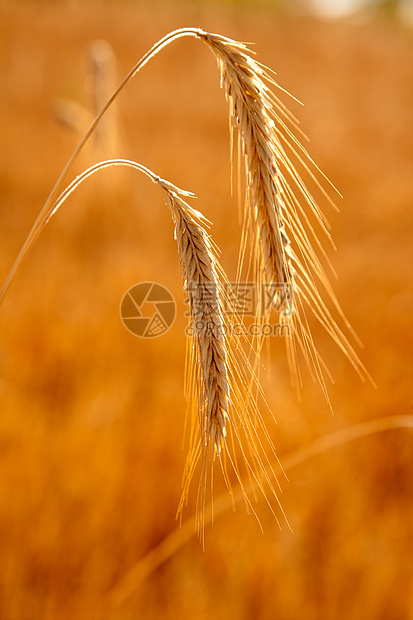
(92, 418)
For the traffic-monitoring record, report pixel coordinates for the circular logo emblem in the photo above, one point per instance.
(147, 310)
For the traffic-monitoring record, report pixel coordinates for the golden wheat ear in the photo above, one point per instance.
(279, 210)
(222, 388)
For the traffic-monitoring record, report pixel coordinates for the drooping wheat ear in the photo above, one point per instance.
(285, 262)
(200, 271)
(250, 112)
(206, 316)
(221, 384)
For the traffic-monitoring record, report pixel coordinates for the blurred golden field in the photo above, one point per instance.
(92, 418)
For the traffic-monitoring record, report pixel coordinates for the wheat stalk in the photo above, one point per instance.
(47, 208)
(166, 548)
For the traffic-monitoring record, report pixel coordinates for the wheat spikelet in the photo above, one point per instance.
(285, 260)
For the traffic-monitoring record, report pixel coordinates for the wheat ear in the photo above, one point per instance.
(206, 315)
(222, 387)
(284, 243)
(102, 81)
